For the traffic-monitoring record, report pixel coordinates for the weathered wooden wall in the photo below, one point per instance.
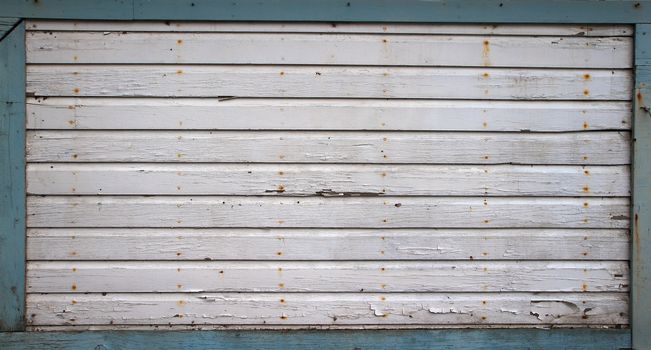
(315, 174)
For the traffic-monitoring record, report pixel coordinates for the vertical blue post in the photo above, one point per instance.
(641, 232)
(12, 180)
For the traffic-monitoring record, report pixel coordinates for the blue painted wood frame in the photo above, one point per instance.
(458, 339)
(12, 163)
(451, 11)
(641, 225)
(12, 180)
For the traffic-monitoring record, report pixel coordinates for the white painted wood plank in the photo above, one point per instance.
(326, 244)
(330, 114)
(315, 27)
(327, 49)
(328, 309)
(326, 180)
(338, 212)
(605, 148)
(361, 276)
(325, 81)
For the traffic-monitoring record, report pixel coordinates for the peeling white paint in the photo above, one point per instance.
(337, 177)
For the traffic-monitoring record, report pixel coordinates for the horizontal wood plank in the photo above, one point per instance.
(316, 27)
(330, 49)
(325, 180)
(372, 276)
(328, 309)
(326, 244)
(607, 148)
(350, 212)
(330, 114)
(327, 81)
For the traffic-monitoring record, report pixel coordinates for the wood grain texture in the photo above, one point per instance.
(316, 27)
(322, 276)
(327, 81)
(607, 148)
(325, 180)
(324, 114)
(330, 49)
(326, 244)
(328, 309)
(339, 212)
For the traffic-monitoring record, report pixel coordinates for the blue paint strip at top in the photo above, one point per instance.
(459, 11)
(70, 9)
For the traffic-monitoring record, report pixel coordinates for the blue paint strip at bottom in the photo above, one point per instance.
(458, 339)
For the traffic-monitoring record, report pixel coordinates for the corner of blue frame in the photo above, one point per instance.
(6, 25)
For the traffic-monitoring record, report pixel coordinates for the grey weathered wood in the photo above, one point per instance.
(329, 309)
(351, 212)
(326, 244)
(328, 81)
(340, 276)
(326, 180)
(330, 49)
(328, 114)
(595, 148)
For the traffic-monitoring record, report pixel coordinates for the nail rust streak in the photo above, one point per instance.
(485, 54)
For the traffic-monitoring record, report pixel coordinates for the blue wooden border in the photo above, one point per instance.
(457, 339)
(641, 225)
(12, 180)
(459, 11)
(12, 163)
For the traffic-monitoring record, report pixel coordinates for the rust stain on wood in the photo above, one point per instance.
(485, 53)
